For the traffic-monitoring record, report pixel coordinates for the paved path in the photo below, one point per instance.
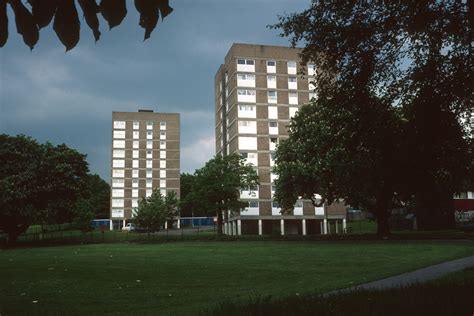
(422, 275)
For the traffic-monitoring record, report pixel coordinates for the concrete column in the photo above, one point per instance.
(111, 225)
(329, 227)
(282, 227)
(234, 226)
(260, 227)
(325, 226)
(337, 228)
(166, 224)
(231, 228)
(321, 228)
(239, 227)
(178, 223)
(225, 229)
(123, 223)
(303, 224)
(344, 225)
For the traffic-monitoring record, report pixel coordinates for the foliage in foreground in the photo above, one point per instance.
(443, 297)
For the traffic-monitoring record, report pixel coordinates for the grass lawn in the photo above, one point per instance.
(187, 277)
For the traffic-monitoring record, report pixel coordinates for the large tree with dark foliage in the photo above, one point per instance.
(415, 56)
(66, 19)
(39, 183)
(97, 195)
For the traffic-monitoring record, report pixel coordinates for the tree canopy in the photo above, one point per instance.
(412, 56)
(67, 24)
(39, 183)
(218, 185)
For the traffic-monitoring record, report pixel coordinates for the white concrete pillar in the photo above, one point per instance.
(260, 227)
(337, 228)
(123, 223)
(344, 225)
(282, 226)
(321, 228)
(239, 227)
(225, 229)
(111, 225)
(178, 223)
(325, 226)
(303, 224)
(166, 224)
(234, 226)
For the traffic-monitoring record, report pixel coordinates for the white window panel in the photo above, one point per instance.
(118, 183)
(273, 128)
(247, 127)
(163, 192)
(118, 163)
(162, 173)
(149, 125)
(119, 144)
(163, 126)
(119, 124)
(117, 203)
(136, 134)
(148, 193)
(271, 66)
(249, 194)
(135, 154)
(162, 135)
(250, 158)
(135, 173)
(118, 153)
(276, 210)
(162, 144)
(117, 213)
(272, 159)
(246, 95)
(149, 154)
(136, 144)
(247, 143)
(134, 203)
(134, 183)
(246, 65)
(311, 84)
(246, 80)
(149, 163)
(116, 173)
(291, 67)
(149, 135)
(293, 111)
(273, 177)
(162, 163)
(162, 183)
(319, 210)
(135, 164)
(117, 193)
(149, 174)
(162, 154)
(311, 70)
(272, 96)
(119, 134)
(135, 193)
(292, 83)
(136, 125)
(149, 144)
(312, 96)
(271, 82)
(293, 97)
(272, 112)
(149, 183)
(273, 143)
(247, 111)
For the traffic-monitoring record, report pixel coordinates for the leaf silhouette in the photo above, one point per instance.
(3, 23)
(149, 14)
(66, 24)
(165, 8)
(25, 24)
(113, 11)
(43, 11)
(90, 9)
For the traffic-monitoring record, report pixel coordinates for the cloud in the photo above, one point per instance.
(196, 154)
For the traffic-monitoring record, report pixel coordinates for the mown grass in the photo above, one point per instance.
(185, 278)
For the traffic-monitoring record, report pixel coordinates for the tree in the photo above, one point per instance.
(98, 195)
(83, 215)
(155, 210)
(219, 182)
(413, 55)
(190, 203)
(66, 20)
(39, 183)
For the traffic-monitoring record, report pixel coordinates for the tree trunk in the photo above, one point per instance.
(434, 210)
(219, 222)
(383, 227)
(382, 212)
(12, 237)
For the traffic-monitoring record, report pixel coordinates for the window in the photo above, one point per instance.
(273, 143)
(118, 163)
(291, 67)
(162, 135)
(149, 183)
(134, 203)
(119, 124)
(149, 154)
(253, 203)
(245, 80)
(245, 92)
(299, 203)
(293, 111)
(118, 173)
(245, 65)
(149, 135)
(149, 173)
(272, 96)
(273, 189)
(136, 134)
(312, 96)
(149, 163)
(149, 144)
(136, 144)
(119, 144)
(163, 192)
(135, 173)
(136, 125)
(162, 164)
(118, 153)
(271, 63)
(135, 164)
(162, 173)
(117, 213)
(135, 154)
(272, 112)
(271, 66)
(162, 125)
(245, 77)
(162, 144)
(118, 183)
(149, 125)
(135, 193)
(292, 83)
(275, 204)
(247, 127)
(293, 97)
(271, 82)
(162, 154)
(247, 143)
(311, 69)
(148, 193)
(117, 202)
(273, 124)
(119, 134)
(273, 127)
(247, 111)
(134, 183)
(245, 62)
(162, 183)
(117, 193)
